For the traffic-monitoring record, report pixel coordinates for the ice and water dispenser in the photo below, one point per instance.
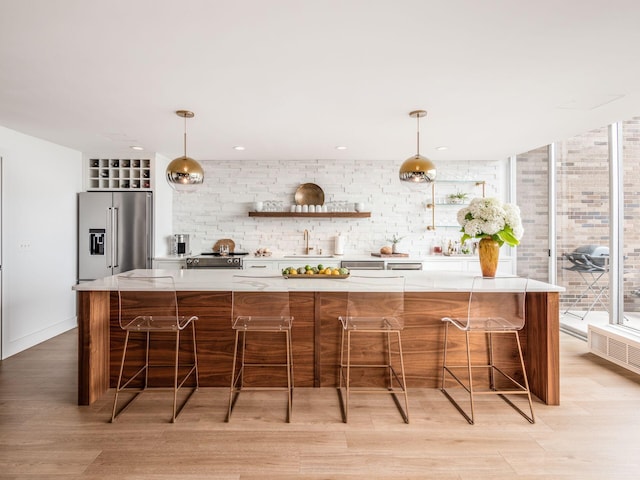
(96, 241)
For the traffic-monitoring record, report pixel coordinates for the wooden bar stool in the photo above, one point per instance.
(260, 307)
(149, 305)
(496, 307)
(375, 306)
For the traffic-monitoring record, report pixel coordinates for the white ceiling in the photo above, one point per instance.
(292, 79)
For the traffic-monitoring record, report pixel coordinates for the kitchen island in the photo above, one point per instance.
(316, 304)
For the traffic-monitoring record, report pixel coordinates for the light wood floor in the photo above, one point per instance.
(594, 434)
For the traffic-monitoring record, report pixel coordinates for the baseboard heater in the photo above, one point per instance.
(616, 345)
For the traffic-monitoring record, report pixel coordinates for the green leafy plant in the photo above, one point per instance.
(458, 197)
(394, 239)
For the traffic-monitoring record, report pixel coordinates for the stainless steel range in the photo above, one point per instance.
(215, 261)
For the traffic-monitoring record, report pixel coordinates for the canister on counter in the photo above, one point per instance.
(338, 245)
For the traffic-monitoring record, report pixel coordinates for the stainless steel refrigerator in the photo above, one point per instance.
(114, 233)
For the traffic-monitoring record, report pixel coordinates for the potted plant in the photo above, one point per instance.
(458, 197)
(394, 241)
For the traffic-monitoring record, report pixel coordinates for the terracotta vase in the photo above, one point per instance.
(489, 252)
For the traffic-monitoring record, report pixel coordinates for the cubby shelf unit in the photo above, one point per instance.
(119, 174)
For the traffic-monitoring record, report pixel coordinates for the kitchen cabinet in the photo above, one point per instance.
(170, 263)
(206, 294)
(118, 174)
(444, 204)
(465, 263)
(258, 265)
(314, 262)
(505, 266)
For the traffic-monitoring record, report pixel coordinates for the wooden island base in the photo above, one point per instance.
(316, 339)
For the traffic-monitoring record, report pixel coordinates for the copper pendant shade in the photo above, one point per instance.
(184, 174)
(418, 169)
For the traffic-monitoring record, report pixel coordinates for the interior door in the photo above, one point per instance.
(1, 326)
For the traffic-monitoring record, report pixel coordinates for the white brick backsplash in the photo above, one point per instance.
(219, 209)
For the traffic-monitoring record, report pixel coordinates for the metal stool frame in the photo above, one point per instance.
(251, 319)
(388, 320)
(495, 323)
(169, 321)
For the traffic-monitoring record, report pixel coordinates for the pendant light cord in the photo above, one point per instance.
(418, 136)
(185, 136)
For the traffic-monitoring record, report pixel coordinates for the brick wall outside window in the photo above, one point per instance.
(583, 208)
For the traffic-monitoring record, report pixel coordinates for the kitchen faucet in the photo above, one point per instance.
(307, 248)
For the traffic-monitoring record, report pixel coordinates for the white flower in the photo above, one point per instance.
(489, 217)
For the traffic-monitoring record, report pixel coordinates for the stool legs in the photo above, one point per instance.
(120, 387)
(344, 374)
(237, 379)
(177, 409)
(194, 369)
(493, 369)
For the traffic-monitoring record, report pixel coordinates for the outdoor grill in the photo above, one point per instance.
(591, 262)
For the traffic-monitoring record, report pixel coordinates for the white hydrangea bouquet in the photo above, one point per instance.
(490, 218)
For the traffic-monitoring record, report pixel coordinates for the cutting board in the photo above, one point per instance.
(224, 241)
(389, 255)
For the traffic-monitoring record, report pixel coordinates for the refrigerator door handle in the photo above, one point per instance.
(109, 241)
(149, 232)
(116, 251)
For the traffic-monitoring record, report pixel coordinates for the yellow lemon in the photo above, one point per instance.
(335, 272)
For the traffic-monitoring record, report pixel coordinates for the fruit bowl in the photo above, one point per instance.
(318, 271)
(327, 277)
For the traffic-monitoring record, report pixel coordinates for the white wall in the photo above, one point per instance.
(39, 243)
(162, 207)
(219, 209)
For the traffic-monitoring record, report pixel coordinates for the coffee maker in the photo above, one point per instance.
(180, 244)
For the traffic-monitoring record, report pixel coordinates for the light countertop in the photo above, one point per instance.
(222, 280)
(358, 257)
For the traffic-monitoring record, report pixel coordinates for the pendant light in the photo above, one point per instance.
(418, 169)
(184, 174)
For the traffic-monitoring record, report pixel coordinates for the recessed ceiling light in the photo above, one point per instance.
(136, 147)
(341, 147)
(238, 147)
(443, 147)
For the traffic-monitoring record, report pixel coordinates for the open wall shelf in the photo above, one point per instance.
(446, 188)
(312, 214)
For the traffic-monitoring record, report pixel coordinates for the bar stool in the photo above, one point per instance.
(149, 305)
(496, 306)
(375, 306)
(260, 305)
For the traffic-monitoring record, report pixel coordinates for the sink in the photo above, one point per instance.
(308, 256)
